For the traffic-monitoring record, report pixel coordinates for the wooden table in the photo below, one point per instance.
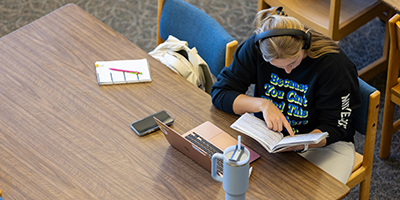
(62, 136)
(395, 4)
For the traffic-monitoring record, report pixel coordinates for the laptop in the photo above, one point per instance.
(192, 143)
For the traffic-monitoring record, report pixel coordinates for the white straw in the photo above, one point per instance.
(239, 142)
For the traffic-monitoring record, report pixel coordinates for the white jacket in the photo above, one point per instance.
(195, 70)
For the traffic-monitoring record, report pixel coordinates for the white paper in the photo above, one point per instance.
(271, 140)
(107, 76)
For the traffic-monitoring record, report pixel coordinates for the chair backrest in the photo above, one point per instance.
(365, 119)
(390, 123)
(394, 52)
(360, 120)
(188, 23)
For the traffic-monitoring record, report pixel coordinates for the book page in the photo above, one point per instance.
(257, 129)
(311, 138)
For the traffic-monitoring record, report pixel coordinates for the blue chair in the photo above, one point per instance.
(364, 121)
(188, 23)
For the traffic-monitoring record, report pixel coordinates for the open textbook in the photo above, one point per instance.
(271, 140)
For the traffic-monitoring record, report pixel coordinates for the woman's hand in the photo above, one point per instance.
(301, 147)
(272, 115)
(294, 148)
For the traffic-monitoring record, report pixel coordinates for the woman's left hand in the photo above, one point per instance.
(301, 147)
(294, 148)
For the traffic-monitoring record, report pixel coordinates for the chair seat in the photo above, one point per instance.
(358, 161)
(395, 97)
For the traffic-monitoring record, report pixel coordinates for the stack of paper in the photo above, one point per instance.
(122, 71)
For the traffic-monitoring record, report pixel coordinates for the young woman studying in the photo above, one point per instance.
(303, 84)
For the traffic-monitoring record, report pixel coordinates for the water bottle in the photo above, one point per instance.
(235, 178)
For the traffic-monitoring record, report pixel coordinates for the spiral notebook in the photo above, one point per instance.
(122, 71)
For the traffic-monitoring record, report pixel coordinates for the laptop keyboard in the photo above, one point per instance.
(206, 146)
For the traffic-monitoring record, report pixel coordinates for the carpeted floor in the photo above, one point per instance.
(137, 21)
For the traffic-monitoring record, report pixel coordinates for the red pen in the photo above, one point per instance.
(122, 70)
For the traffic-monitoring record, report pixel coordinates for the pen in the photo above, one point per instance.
(122, 70)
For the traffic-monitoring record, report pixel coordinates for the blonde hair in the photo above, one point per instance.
(282, 47)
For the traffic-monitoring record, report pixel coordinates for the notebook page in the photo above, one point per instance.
(107, 76)
(117, 77)
(103, 76)
(143, 66)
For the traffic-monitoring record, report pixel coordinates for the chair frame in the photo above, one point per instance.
(392, 96)
(362, 169)
(337, 30)
(230, 47)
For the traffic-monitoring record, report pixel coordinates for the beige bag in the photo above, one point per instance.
(193, 68)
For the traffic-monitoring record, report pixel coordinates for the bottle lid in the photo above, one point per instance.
(237, 155)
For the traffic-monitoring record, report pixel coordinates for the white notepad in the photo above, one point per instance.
(106, 76)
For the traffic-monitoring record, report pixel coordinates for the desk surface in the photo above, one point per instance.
(62, 136)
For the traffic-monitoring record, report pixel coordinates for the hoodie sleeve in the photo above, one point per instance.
(235, 79)
(337, 98)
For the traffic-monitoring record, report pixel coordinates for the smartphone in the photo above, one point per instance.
(148, 124)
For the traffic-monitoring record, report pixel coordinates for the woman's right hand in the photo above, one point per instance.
(272, 115)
